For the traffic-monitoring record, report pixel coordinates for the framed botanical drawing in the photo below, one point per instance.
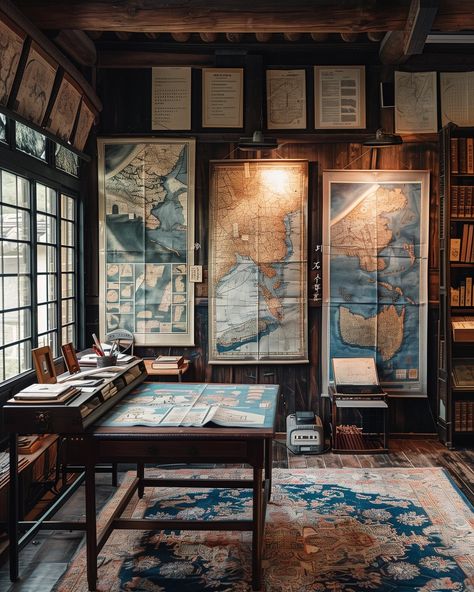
(36, 85)
(258, 261)
(375, 249)
(11, 45)
(146, 209)
(64, 110)
(339, 97)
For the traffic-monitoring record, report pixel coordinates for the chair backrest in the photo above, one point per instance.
(125, 340)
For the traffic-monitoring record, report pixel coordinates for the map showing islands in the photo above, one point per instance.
(257, 287)
(149, 233)
(376, 292)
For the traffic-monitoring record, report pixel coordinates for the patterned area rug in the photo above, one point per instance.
(335, 530)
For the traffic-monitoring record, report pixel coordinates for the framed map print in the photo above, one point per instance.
(258, 261)
(146, 208)
(64, 110)
(375, 248)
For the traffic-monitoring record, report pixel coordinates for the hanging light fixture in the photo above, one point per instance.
(382, 139)
(257, 142)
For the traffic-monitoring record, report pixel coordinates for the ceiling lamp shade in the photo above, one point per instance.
(257, 142)
(382, 139)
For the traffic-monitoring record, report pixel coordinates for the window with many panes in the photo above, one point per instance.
(38, 257)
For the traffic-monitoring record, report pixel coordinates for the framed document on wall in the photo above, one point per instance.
(146, 209)
(222, 97)
(64, 110)
(339, 97)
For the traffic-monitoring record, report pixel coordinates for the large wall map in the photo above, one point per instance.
(375, 273)
(147, 239)
(258, 261)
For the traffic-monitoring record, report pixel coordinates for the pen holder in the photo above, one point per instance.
(104, 361)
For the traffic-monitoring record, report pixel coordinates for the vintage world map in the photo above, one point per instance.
(257, 262)
(375, 296)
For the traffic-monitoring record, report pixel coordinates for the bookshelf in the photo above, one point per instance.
(456, 314)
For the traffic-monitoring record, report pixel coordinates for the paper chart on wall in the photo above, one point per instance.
(457, 98)
(286, 99)
(415, 102)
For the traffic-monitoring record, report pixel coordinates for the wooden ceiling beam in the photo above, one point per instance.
(397, 46)
(78, 45)
(419, 23)
(254, 16)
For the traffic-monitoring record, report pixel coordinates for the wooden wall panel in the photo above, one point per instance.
(300, 384)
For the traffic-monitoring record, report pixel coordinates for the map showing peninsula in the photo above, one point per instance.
(257, 260)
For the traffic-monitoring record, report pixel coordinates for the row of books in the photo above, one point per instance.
(46, 393)
(168, 362)
(463, 328)
(462, 156)
(462, 249)
(462, 201)
(462, 295)
(464, 416)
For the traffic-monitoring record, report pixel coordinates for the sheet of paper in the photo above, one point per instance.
(416, 107)
(171, 98)
(339, 97)
(237, 417)
(286, 99)
(222, 97)
(457, 98)
(354, 371)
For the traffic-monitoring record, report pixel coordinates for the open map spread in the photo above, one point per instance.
(375, 283)
(165, 405)
(257, 261)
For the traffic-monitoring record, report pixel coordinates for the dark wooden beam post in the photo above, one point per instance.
(78, 45)
(420, 20)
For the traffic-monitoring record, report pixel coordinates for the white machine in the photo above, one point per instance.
(304, 433)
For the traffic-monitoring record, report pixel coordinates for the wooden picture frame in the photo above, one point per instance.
(36, 85)
(11, 45)
(44, 365)
(64, 111)
(70, 358)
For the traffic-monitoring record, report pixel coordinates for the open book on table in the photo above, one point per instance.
(185, 416)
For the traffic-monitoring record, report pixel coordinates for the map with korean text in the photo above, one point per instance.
(375, 288)
(258, 261)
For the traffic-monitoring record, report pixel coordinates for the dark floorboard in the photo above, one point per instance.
(45, 559)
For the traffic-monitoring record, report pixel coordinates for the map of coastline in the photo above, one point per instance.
(257, 260)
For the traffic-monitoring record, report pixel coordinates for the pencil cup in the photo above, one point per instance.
(104, 361)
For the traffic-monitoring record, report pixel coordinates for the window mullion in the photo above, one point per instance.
(34, 265)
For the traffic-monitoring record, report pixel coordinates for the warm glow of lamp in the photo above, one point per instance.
(277, 179)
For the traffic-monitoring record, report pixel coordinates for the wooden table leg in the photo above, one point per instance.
(269, 465)
(257, 532)
(141, 476)
(13, 509)
(91, 527)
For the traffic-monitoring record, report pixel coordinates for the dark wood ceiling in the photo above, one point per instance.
(102, 32)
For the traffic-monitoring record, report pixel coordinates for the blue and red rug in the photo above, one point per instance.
(334, 530)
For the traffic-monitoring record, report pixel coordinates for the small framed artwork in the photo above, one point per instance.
(85, 121)
(44, 365)
(70, 358)
(339, 97)
(463, 373)
(36, 85)
(64, 111)
(11, 45)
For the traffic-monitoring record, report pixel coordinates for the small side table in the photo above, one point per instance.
(370, 437)
(166, 371)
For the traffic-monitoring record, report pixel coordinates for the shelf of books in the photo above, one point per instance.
(456, 325)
